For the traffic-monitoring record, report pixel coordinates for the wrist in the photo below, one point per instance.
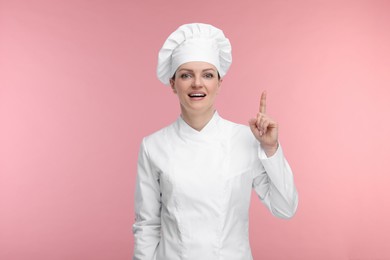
(271, 149)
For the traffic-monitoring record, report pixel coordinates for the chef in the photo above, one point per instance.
(196, 175)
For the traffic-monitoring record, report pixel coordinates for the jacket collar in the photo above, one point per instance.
(210, 130)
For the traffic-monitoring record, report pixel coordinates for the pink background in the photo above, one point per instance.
(78, 91)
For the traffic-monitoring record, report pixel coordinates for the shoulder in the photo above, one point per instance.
(238, 132)
(243, 144)
(160, 136)
(236, 128)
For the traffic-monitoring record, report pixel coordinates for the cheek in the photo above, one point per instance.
(181, 94)
(177, 89)
(216, 88)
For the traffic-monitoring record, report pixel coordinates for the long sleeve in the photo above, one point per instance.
(147, 224)
(275, 186)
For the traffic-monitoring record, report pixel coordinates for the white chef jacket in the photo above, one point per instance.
(194, 187)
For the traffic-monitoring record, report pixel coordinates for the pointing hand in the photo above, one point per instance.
(264, 128)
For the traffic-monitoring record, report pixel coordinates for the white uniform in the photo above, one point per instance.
(194, 188)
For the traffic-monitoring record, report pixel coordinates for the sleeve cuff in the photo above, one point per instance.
(273, 165)
(263, 156)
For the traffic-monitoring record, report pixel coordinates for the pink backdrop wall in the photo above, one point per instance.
(78, 91)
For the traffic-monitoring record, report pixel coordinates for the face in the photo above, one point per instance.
(196, 85)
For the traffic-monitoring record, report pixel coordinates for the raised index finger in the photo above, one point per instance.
(263, 98)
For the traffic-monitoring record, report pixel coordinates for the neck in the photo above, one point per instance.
(197, 120)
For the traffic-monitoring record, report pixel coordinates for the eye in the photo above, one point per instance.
(209, 75)
(185, 76)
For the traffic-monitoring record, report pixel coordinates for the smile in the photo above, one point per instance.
(196, 95)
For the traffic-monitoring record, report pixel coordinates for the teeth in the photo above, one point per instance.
(197, 95)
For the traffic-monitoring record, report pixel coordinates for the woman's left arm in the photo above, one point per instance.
(274, 184)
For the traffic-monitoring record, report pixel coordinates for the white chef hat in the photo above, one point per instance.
(194, 42)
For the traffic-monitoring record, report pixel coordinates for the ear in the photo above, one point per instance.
(172, 82)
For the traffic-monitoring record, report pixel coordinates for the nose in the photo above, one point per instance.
(197, 81)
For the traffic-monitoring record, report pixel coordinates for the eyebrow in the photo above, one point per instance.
(193, 70)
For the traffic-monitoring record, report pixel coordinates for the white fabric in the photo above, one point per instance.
(202, 49)
(194, 188)
(194, 42)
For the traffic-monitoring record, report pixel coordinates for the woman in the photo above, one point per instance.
(195, 176)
